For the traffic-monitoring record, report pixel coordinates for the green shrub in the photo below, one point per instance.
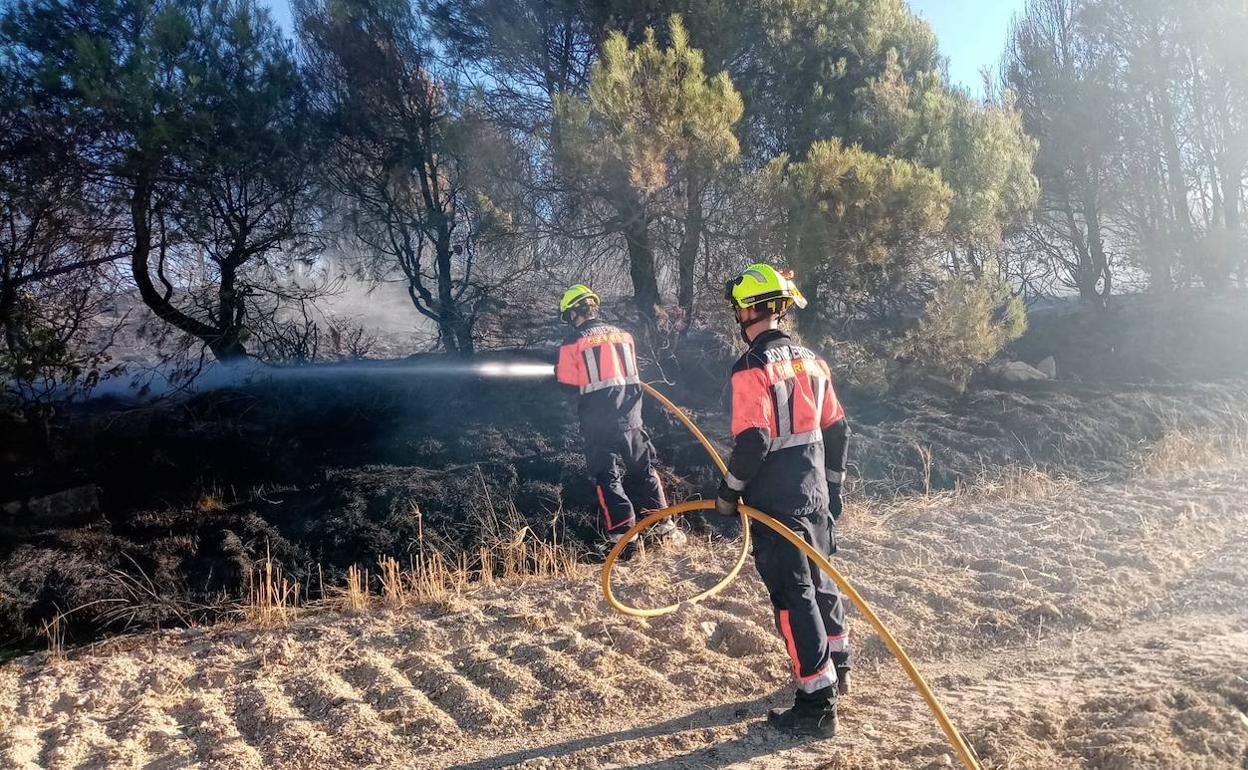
(967, 322)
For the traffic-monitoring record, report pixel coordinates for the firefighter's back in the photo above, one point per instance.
(600, 360)
(797, 385)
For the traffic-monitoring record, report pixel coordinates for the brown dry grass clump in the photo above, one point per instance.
(272, 598)
(509, 551)
(1015, 483)
(1181, 449)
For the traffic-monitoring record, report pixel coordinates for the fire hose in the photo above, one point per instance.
(955, 738)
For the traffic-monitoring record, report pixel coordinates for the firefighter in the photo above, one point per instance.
(788, 461)
(598, 362)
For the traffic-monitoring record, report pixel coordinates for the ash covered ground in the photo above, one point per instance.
(153, 515)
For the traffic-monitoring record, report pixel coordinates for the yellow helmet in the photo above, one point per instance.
(574, 296)
(760, 283)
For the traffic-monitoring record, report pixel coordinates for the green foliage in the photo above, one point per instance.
(858, 366)
(649, 109)
(652, 120)
(885, 170)
(44, 358)
(807, 64)
(855, 216)
(982, 150)
(967, 322)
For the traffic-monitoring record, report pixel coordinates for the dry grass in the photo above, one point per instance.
(1186, 449)
(272, 598)
(1013, 483)
(508, 550)
(356, 594)
(54, 634)
(393, 585)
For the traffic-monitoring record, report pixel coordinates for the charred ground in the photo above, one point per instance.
(154, 516)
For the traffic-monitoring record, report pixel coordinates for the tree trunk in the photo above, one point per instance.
(1098, 268)
(636, 229)
(454, 327)
(1175, 178)
(810, 321)
(228, 343)
(463, 333)
(1232, 201)
(690, 241)
(1084, 276)
(140, 268)
(8, 315)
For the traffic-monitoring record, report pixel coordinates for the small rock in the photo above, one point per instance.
(709, 628)
(1013, 372)
(66, 504)
(1049, 367)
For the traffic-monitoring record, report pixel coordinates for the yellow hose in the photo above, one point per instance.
(955, 738)
(655, 612)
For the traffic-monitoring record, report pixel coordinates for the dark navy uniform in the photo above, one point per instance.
(791, 437)
(599, 362)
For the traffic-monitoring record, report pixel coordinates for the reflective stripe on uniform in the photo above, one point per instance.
(781, 394)
(824, 677)
(658, 481)
(834, 477)
(591, 366)
(734, 483)
(797, 439)
(627, 358)
(611, 383)
(603, 357)
(787, 393)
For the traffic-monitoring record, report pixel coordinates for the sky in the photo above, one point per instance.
(971, 32)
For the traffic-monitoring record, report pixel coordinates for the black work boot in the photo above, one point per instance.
(841, 661)
(598, 553)
(812, 714)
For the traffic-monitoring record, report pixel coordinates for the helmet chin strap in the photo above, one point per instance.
(743, 325)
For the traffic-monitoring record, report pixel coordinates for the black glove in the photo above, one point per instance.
(834, 500)
(726, 505)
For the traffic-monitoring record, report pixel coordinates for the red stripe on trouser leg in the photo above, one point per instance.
(606, 512)
(822, 675)
(786, 631)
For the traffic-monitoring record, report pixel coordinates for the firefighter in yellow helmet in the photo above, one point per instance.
(598, 363)
(788, 461)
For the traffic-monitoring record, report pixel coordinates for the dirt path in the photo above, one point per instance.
(1100, 627)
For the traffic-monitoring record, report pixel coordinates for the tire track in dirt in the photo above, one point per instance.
(514, 687)
(337, 708)
(19, 740)
(280, 732)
